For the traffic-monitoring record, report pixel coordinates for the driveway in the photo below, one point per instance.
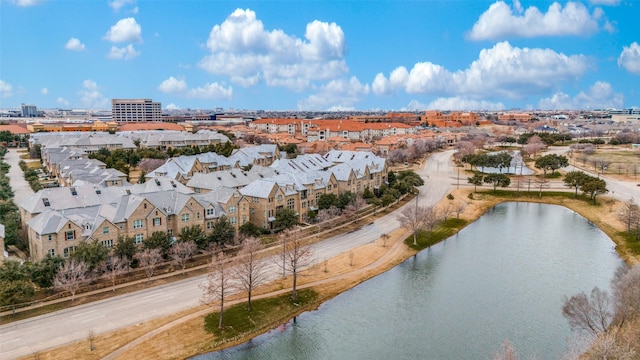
(20, 186)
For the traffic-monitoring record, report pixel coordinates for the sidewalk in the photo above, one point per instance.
(20, 186)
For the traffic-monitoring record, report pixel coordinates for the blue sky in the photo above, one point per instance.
(321, 55)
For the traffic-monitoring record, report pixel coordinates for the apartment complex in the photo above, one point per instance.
(128, 110)
(59, 219)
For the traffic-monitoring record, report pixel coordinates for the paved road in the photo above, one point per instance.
(28, 336)
(20, 186)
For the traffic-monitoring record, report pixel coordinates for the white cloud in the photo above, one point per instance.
(630, 58)
(501, 71)
(74, 45)
(172, 85)
(337, 94)
(6, 90)
(91, 97)
(605, 2)
(244, 50)
(126, 53)
(456, 103)
(213, 91)
(27, 3)
(600, 95)
(125, 30)
(44, 91)
(62, 101)
(117, 4)
(501, 21)
(172, 106)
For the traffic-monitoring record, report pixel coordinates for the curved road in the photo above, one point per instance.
(35, 334)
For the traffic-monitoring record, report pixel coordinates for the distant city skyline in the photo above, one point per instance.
(321, 55)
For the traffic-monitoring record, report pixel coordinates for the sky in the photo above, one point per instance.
(321, 55)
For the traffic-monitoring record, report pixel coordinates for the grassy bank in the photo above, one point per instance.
(181, 339)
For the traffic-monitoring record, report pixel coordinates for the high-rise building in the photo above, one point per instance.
(128, 110)
(29, 110)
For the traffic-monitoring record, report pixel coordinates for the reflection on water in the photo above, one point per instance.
(502, 277)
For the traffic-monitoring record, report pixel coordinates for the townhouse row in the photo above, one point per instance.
(59, 219)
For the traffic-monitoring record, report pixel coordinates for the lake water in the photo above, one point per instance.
(502, 277)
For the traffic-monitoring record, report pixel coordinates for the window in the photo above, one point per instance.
(232, 220)
(107, 243)
(244, 219)
(329, 187)
(211, 212)
(209, 225)
(137, 224)
(279, 198)
(170, 231)
(270, 199)
(71, 234)
(68, 251)
(185, 217)
(232, 209)
(291, 204)
(105, 230)
(50, 237)
(198, 215)
(52, 252)
(304, 204)
(157, 221)
(139, 238)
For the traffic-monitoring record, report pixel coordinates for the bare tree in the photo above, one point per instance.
(414, 218)
(458, 208)
(71, 276)
(251, 270)
(384, 238)
(116, 267)
(183, 251)
(149, 259)
(629, 214)
(218, 282)
(327, 217)
(589, 313)
(626, 293)
(542, 183)
(354, 206)
(295, 256)
(351, 256)
(148, 165)
(534, 145)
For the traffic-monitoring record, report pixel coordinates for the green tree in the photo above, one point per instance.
(91, 253)
(43, 272)
(594, 187)
(552, 162)
(158, 240)
(193, 233)
(222, 232)
(250, 229)
(285, 218)
(15, 283)
(576, 179)
(496, 180)
(476, 180)
(125, 248)
(327, 200)
(345, 199)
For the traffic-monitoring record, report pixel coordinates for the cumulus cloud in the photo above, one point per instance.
(6, 90)
(74, 45)
(44, 91)
(501, 71)
(501, 21)
(125, 53)
(600, 95)
(244, 50)
(116, 5)
(125, 30)
(213, 91)
(62, 101)
(172, 85)
(27, 3)
(172, 106)
(340, 94)
(456, 103)
(630, 58)
(91, 97)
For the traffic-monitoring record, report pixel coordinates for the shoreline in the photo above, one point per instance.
(154, 342)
